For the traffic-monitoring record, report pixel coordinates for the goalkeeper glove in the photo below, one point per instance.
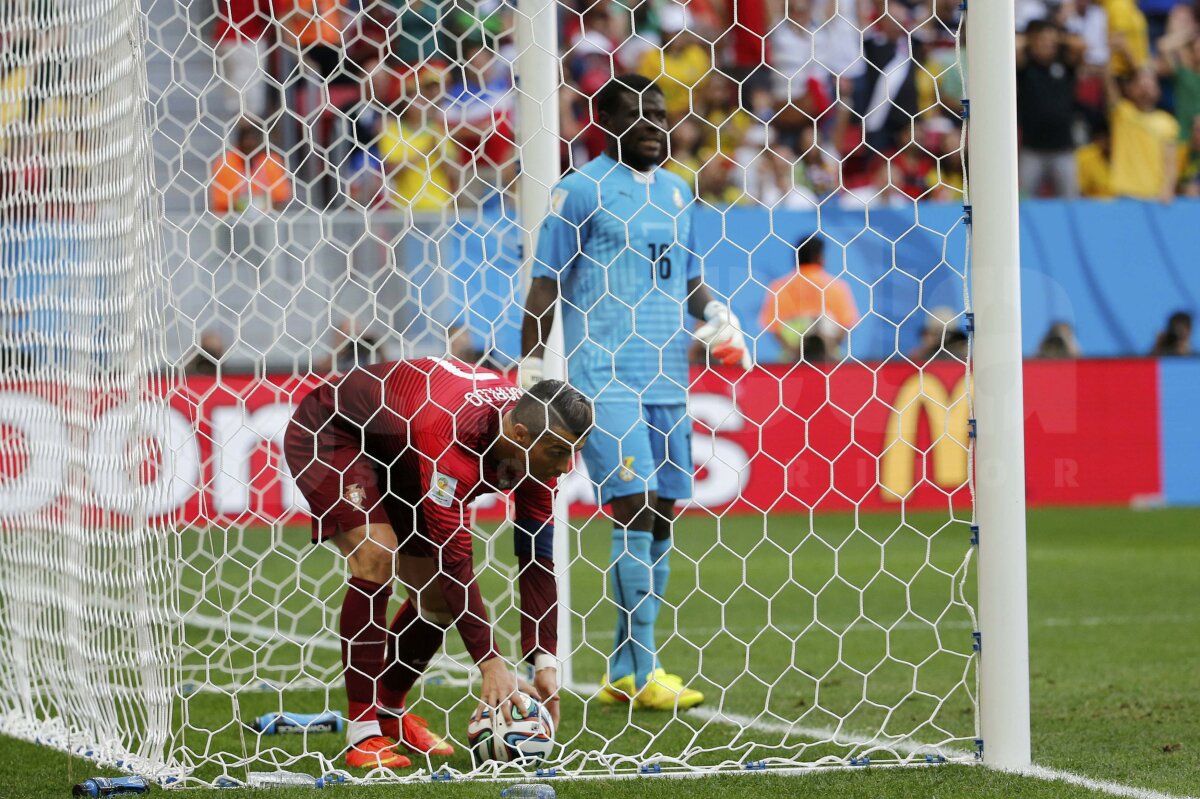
(722, 334)
(530, 372)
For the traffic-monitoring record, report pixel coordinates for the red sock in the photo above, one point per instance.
(412, 643)
(364, 643)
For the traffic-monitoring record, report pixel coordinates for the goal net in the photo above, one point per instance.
(209, 206)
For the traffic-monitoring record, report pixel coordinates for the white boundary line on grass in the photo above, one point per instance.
(749, 722)
(1104, 786)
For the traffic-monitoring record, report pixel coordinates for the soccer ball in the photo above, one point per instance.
(529, 739)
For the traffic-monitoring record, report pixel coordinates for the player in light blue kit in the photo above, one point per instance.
(618, 241)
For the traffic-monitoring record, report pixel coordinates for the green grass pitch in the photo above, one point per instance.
(1115, 639)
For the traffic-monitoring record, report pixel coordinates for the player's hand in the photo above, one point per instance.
(545, 683)
(499, 688)
(530, 371)
(722, 334)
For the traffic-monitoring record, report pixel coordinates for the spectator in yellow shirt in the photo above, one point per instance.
(417, 150)
(1145, 159)
(680, 65)
(1128, 37)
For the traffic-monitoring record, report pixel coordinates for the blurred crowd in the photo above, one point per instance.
(1108, 98)
(778, 103)
(405, 104)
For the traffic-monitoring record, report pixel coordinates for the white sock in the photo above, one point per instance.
(359, 731)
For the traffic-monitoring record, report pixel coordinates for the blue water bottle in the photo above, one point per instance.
(112, 786)
(293, 723)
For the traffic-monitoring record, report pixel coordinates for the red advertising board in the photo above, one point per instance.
(776, 439)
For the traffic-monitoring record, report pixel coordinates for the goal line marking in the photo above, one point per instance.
(1103, 786)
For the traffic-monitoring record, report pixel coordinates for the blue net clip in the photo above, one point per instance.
(547, 772)
(651, 768)
(441, 776)
(971, 430)
(935, 759)
(967, 214)
(969, 322)
(860, 761)
(966, 112)
(756, 765)
(979, 749)
(978, 641)
(975, 535)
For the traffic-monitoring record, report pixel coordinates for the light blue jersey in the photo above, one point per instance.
(621, 244)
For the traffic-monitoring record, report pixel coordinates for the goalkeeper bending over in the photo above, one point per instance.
(618, 243)
(388, 457)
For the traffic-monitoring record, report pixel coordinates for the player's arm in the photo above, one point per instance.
(445, 482)
(721, 331)
(559, 242)
(539, 316)
(533, 543)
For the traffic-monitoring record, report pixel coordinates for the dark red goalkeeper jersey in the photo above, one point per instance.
(429, 426)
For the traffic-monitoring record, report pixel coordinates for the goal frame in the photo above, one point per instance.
(999, 473)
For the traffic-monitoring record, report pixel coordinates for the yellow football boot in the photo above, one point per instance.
(664, 691)
(617, 693)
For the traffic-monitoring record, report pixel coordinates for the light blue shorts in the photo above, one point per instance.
(635, 448)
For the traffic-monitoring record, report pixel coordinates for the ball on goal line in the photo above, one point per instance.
(528, 739)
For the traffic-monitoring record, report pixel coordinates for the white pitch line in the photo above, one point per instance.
(267, 633)
(1104, 786)
(820, 733)
(259, 632)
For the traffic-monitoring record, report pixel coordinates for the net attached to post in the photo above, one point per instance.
(340, 183)
(86, 626)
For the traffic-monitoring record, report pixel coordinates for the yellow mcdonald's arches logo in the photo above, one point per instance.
(948, 413)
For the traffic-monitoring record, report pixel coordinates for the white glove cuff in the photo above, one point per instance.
(715, 308)
(544, 660)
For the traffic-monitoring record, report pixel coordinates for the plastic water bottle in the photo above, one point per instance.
(290, 779)
(292, 723)
(112, 786)
(528, 790)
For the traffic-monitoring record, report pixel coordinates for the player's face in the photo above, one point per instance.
(553, 453)
(640, 125)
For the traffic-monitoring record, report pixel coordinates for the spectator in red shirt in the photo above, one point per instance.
(389, 457)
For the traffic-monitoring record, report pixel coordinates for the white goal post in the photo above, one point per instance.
(202, 218)
(999, 403)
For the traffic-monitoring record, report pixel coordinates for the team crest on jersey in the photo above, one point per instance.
(558, 199)
(678, 197)
(355, 494)
(627, 473)
(442, 489)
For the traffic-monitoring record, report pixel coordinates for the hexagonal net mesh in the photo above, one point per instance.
(754, 258)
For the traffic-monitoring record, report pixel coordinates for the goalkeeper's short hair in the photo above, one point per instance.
(632, 84)
(553, 403)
